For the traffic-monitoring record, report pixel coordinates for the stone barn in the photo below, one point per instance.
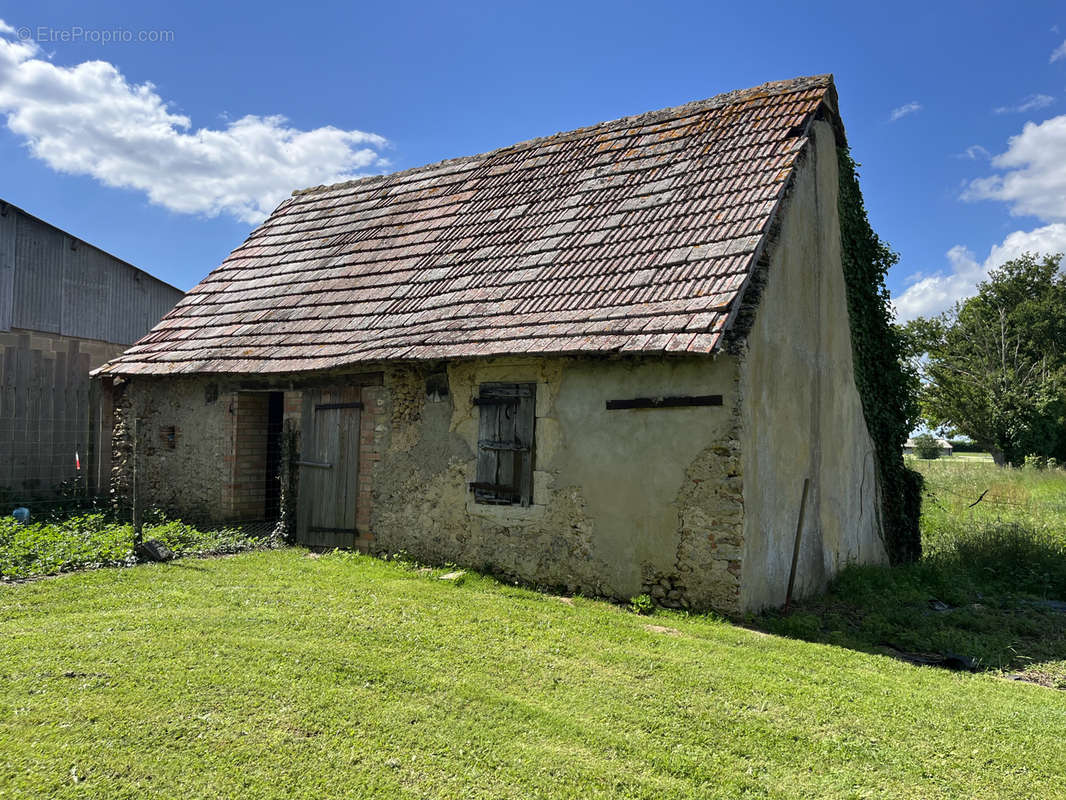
(605, 361)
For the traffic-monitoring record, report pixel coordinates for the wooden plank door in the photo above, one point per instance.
(329, 468)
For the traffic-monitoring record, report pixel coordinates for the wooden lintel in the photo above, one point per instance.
(286, 382)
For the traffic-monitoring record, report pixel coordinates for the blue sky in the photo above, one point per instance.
(165, 153)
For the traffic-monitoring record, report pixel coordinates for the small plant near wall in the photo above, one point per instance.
(642, 604)
(290, 482)
(926, 446)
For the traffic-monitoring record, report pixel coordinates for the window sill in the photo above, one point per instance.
(515, 514)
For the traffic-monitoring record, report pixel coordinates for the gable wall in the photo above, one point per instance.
(802, 413)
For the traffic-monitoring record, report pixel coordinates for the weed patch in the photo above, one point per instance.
(81, 540)
(989, 588)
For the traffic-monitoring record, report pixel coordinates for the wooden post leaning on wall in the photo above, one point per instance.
(796, 544)
(100, 435)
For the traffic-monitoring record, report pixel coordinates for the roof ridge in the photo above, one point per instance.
(768, 89)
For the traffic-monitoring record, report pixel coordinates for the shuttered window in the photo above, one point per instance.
(505, 444)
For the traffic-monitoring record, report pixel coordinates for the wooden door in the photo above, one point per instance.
(329, 468)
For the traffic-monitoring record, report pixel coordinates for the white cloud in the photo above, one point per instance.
(1034, 178)
(931, 294)
(934, 293)
(974, 152)
(88, 120)
(904, 110)
(1032, 181)
(1032, 102)
(1059, 52)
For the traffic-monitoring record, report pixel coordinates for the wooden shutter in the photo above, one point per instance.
(505, 443)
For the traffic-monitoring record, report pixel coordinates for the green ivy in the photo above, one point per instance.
(887, 388)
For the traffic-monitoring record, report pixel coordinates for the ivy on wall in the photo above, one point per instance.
(886, 386)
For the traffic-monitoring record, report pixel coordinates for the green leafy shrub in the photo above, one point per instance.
(926, 446)
(642, 604)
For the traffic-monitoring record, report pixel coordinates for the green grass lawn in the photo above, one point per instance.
(279, 674)
(275, 674)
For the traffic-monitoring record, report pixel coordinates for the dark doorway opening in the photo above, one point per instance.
(275, 420)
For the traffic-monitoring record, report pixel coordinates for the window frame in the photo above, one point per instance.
(506, 443)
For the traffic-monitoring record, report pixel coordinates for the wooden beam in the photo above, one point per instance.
(328, 406)
(684, 401)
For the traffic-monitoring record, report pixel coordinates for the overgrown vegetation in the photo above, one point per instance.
(991, 586)
(278, 675)
(887, 386)
(642, 604)
(67, 541)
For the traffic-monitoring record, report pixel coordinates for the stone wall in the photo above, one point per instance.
(624, 501)
(190, 479)
(204, 444)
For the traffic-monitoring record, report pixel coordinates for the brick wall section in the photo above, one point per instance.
(244, 495)
(373, 431)
(294, 404)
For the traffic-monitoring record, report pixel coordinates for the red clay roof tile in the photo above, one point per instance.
(635, 235)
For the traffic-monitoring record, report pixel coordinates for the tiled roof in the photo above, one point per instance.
(636, 235)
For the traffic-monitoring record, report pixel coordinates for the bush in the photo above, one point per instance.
(926, 446)
(642, 604)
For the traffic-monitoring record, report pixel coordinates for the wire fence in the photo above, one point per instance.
(53, 470)
(45, 465)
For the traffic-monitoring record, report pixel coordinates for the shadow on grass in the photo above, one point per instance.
(184, 563)
(992, 600)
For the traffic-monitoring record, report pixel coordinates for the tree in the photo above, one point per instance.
(994, 367)
(926, 446)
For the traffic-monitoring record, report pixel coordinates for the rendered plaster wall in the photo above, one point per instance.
(802, 416)
(624, 501)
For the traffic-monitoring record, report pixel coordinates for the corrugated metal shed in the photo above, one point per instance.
(53, 282)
